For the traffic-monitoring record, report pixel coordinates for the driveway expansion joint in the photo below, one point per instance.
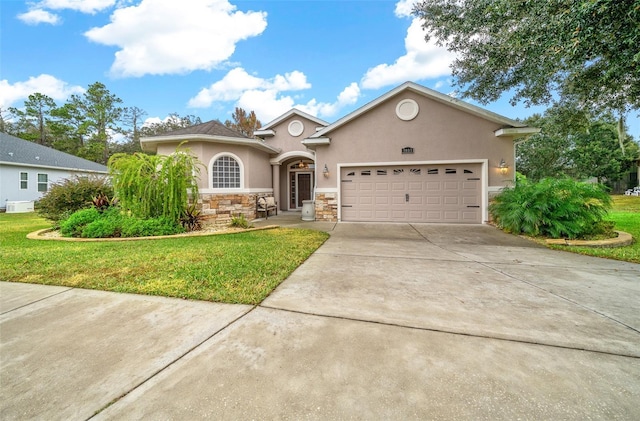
(455, 333)
(171, 363)
(37, 301)
(569, 300)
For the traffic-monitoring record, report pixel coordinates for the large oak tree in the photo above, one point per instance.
(542, 50)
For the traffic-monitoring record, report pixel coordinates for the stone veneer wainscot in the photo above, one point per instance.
(326, 207)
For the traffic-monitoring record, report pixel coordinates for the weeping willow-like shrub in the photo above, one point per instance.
(556, 208)
(154, 186)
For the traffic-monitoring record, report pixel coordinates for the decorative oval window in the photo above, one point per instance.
(296, 128)
(407, 109)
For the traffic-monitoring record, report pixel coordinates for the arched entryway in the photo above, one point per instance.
(301, 182)
(294, 179)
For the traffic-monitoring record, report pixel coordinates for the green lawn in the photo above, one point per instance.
(232, 268)
(626, 214)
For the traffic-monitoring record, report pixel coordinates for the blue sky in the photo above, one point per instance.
(205, 57)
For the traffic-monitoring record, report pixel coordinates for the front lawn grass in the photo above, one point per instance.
(626, 215)
(231, 268)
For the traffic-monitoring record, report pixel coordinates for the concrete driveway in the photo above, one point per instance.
(391, 321)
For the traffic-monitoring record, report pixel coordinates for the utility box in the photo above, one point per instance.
(21, 206)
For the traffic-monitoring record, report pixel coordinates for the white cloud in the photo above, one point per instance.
(167, 37)
(348, 96)
(37, 16)
(265, 96)
(237, 82)
(404, 8)
(423, 60)
(45, 84)
(84, 6)
(150, 121)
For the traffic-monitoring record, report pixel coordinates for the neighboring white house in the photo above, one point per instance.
(28, 169)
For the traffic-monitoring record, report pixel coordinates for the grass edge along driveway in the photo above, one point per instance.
(625, 212)
(240, 268)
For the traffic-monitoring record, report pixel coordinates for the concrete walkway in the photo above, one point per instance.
(393, 321)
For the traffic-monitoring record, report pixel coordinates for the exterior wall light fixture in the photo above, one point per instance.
(325, 171)
(504, 168)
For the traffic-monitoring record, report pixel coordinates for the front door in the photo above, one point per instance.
(300, 188)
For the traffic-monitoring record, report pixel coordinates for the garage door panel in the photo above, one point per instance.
(433, 216)
(469, 216)
(450, 186)
(415, 186)
(416, 193)
(398, 200)
(399, 214)
(451, 200)
(433, 186)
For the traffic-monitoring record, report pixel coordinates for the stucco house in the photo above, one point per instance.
(411, 155)
(27, 169)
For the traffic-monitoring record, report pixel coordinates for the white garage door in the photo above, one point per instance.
(419, 193)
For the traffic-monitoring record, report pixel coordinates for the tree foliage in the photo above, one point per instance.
(573, 144)
(33, 121)
(152, 186)
(172, 122)
(102, 113)
(243, 122)
(535, 49)
(93, 125)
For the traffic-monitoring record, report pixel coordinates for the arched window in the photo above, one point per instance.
(225, 173)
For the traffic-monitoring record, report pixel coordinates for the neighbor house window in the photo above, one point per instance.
(43, 182)
(24, 181)
(225, 173)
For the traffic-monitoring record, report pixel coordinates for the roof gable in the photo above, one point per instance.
(211, 132)
(428, 93)
(291, 112)
(16, 151)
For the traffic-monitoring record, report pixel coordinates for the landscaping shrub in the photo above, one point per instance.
(240, 221)
(134, 227)
(107, 225)
(103, 203)
(91, 223)
(556, 208)
(151, 186)
(70, 195)
(191, 220)
(75, 223)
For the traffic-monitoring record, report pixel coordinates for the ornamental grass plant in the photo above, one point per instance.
(153, 186)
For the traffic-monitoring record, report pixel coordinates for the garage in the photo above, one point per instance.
(444, 193)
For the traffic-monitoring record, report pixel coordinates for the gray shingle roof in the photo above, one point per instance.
(213, 128)
(19, 151)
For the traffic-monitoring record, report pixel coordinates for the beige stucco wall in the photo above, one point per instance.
(438, 133)
(257, 170)
(284, 141)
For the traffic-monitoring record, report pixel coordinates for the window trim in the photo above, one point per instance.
(210, 175)
(25, 181)
(45, 183)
